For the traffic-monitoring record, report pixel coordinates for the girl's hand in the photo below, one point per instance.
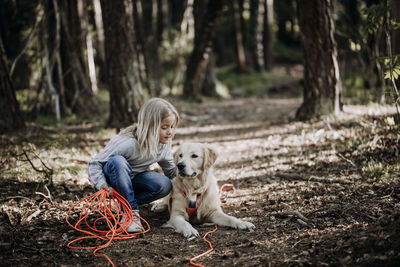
(108, 188)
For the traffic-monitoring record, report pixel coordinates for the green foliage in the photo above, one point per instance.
(386, 171)
(285, 53)
(374, 169)
(374, 147)
(174, 53)
(251, 82)
(25, 99)
(353, 87)
(375, 15)
(392, 71)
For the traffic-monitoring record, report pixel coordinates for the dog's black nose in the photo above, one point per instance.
(181, 165)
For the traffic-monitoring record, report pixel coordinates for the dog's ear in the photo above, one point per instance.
(176, 156)
(210, 156)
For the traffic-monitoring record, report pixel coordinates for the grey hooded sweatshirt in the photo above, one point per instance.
(128, 147)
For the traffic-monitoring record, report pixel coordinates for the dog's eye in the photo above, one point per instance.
(194, 156)
(180, 155)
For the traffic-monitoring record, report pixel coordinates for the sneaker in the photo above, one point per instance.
(136, 225)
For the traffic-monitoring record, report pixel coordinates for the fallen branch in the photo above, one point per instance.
(30, 217)
(302, 222)
(15, 197)
(293, 176)
(48, 172)
(346, 159)
(352, 164)
(300, 217)
(48, 196)
(11, 217)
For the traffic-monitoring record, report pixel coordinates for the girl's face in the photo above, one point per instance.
(167, 128)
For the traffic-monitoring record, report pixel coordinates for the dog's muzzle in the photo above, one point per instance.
(182, 172)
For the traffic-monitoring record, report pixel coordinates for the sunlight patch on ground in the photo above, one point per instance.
(217, 127)
(370, 110)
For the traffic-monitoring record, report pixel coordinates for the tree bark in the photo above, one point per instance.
(210, 80)
(267, 34)
(238, 37)
(79, 96)
(11, 118)
(396, 33)
(126, 92)
(199, 59)
(322, 87)
(154, 65)
(99, 40)
(139, 46)
(257, 28)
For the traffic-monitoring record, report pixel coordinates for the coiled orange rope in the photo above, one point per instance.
(102, 210)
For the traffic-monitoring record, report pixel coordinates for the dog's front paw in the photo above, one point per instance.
(189, 231)
(246, 225)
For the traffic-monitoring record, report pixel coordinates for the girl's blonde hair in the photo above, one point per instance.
(147, 129)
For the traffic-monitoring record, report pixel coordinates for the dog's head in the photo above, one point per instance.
(193, 159)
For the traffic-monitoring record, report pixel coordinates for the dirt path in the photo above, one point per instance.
(304, 186)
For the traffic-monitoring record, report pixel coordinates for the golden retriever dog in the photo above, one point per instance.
(195, 194)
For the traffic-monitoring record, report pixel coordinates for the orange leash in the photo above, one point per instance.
(108, 213)
(205, 253)
(224, 187)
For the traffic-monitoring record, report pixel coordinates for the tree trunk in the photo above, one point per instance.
(322, 87)
(396, 33)
(197, 66)
(99, 43)
(257, 28)
(239, 48)
(210, 80)
(139, 46)
(268, 36)
(153, 54)
(79, 96)
(11, 118)
(87, 38)
(126, 93)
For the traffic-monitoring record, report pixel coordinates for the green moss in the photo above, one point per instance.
(387, 171)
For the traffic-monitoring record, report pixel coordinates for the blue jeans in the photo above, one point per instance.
(144, 188)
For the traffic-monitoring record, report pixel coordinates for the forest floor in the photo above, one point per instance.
(340, 173)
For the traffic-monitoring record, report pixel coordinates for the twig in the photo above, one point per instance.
(48, 173)
(10, 217)
(30, 217)
(293, 176)
(302, 222)
(13, 197)
(48, 196)
(301, 218)
(349, 161)
(352, 164)
(329, 180)
(295, 244)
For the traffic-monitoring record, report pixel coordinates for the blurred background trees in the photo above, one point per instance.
(75, 59)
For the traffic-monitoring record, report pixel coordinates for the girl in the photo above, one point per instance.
(123, 163)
